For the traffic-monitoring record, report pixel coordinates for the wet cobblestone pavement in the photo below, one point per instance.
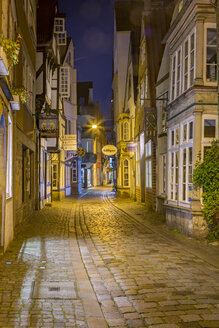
(85, 263)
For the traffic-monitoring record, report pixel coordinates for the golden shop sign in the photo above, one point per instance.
(109, 150)
(48, 127)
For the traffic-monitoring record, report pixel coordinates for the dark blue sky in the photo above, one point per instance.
(90, 24)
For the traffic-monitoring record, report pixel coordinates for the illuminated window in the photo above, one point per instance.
(126, 173)
(55, 176)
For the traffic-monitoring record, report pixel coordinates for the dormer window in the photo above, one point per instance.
(59, 25)
(59, 30)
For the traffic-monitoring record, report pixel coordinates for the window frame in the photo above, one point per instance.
(64, 93)
(127, 172)
(206, 26)
(126, 130)
(178, 68)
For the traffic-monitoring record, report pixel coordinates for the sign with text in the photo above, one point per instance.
(69, 142)
(109, 150)
(131, 147)
(48, 127)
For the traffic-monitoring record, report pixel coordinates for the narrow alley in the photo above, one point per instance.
(96, 261)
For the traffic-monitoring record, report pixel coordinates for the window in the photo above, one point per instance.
(126, 173)
(187, 174)
(180, 163)
(74, 171)
(148, 164)
(126, 131)
(64, 82)
(187, 131)
(173, 77)
(9, 160)
(59, 25)
(174, 175)
(186, 64)
(55, 175)
(209, 128)
(183, 67)
(178, 75)
(59, 30)
(61, 38)
(192, 58)
(163, 174)
(144, 89)
(211, 55)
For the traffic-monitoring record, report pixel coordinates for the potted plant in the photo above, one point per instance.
(9, 53)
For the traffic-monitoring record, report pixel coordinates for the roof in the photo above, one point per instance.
(46, 13)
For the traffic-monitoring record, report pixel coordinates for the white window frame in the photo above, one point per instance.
(64, 82)
(58, 27)
(187, 165)
(61, 38)
(178, 67)
(9, 159)
(126, 172)
(175, 186)
(206, 26)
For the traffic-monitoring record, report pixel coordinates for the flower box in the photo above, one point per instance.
(3, 62)
(15, 103)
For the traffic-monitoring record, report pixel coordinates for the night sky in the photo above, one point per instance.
(90, 24)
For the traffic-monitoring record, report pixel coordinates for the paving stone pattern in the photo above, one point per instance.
(140, 279)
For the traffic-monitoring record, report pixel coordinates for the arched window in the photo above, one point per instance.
(126, 130)
(126, 173)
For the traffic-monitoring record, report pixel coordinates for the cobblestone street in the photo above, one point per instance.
(100, 262)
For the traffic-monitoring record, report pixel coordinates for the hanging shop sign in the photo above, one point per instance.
(81, 152)
(69, 142)
(109, 150)
(48, 127)
(131, 147)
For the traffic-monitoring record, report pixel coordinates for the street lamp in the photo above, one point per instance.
(94, 126)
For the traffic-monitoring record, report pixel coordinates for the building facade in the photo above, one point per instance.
(192, 110)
